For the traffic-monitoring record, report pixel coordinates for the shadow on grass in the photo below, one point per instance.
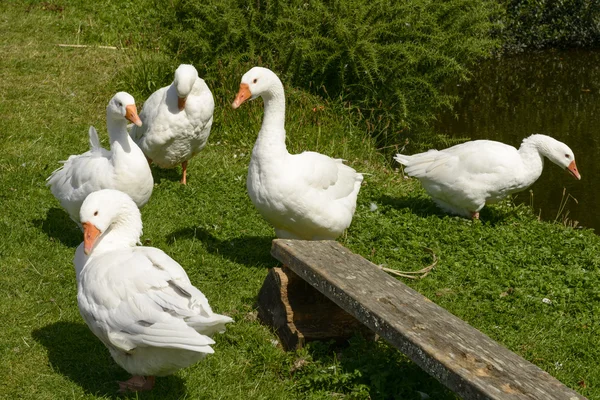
(494, 216)
(426, 208)
(417, 205)
(169, 174)
(76, 353)
(383, 370)
(253, 251)
(59, 226)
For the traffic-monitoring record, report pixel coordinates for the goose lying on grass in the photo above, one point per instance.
(464, 178)
(137, 300)
(177, 121)
(124, 167)
(304, 196)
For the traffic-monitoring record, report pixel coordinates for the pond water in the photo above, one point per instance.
(556, 93)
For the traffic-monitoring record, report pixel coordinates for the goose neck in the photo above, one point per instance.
(535, 144)
(124, 150)
(274, 118)
(123, 233)
(117, 131)
(271, 138)
(532, 152)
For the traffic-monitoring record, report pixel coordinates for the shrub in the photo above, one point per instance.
(386, 60)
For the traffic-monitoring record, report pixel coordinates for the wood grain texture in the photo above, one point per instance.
(299, 313)
(274, 309)
(458, 355)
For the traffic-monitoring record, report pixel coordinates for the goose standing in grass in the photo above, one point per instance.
(177, 121)
(137, 300)
(304, 196)
(124, 167)
(464, 178)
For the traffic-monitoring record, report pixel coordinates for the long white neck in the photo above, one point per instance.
(124, 232)
(532, 151)
(121, 143)
(271, 138)
(117, 128)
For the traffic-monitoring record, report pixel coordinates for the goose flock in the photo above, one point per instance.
(139, 301)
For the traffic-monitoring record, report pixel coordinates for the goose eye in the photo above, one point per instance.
(96, 213)
(119, 104)
(567, 156)
(255, 80)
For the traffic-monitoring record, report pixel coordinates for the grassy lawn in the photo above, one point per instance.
(493, 274)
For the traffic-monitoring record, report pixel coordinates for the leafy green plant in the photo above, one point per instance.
(328, 375)
(149, 72)
(385, 60)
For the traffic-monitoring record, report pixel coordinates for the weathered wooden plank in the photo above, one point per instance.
(300, 313)
(458, 355)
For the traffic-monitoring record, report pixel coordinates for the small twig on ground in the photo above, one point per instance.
(413, 274)
(85, 45)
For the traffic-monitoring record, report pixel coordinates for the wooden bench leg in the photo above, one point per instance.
(299, 313)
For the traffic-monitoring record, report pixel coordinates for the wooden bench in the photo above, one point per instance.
(456, 354)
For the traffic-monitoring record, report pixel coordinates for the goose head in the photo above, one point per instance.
(255, 83)
(109, 210)
(561, 155)
(185, 77)
(122, 105)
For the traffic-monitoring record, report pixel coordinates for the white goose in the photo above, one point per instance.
(304, 196)
(137, 300)
(177, 121)
(464, 178)
(124, 167)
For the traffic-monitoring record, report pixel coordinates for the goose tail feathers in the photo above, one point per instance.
(94, 140)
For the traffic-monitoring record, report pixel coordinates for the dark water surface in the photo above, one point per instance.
(556, 93)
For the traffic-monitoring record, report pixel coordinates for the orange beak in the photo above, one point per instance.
(243, 95)
(90, 235)
(181, 103)
(132, 115)
(572, 168)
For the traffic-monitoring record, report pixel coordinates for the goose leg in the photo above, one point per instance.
(137, 384)
(183, 177)
(475, 215)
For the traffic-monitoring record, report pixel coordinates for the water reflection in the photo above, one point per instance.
(556, 93)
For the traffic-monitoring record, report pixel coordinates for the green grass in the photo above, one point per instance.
(493, 274)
